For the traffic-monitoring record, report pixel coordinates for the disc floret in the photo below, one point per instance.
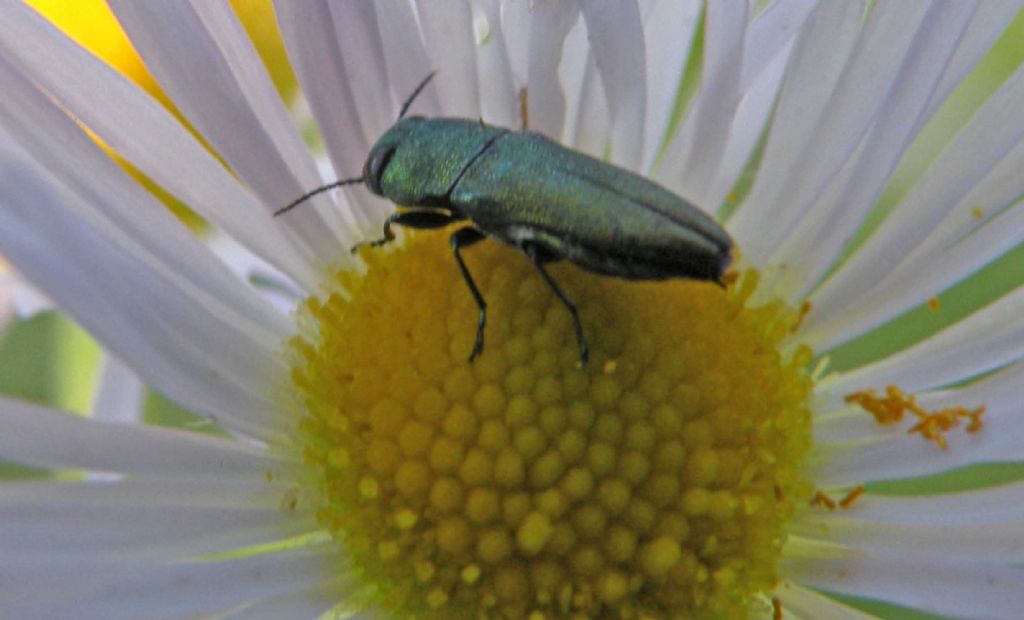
(655, 482)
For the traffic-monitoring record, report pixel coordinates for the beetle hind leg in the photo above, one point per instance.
(538, 257)
(461, 238)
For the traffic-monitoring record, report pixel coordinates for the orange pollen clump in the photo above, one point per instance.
(851, 497)
(821, 498)
(933, 303)
(890, 408)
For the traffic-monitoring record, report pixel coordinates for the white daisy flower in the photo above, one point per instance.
(369, 469)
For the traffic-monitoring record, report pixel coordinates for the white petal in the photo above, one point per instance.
(588, 119)
(1001, 543)
(807, 603)
(747, 129)
(849, 424)
(137, 521)
(766, 51)
(179, 338)
(60, 146)
(366, 73)
(311, 39)
(820, 237)
(120, 396)
(923, 275)
(978, 507)
(141, 130)
(617, 43)
(990, 21)
(378, 46)
(303, 603)
(515, 26)
(988, 199)
(694, 154)
(669, 27)
(276, 288)
(43, 437)
(987, 339)
(448, 33)
(499, 101)
(25, 299)
(549, 24)
(202, 57)
(887, 452)
(771, 32)
(992, 133)
(821, 51)
(961, 589)
(169, 590)
(864, 86)
(407, 58)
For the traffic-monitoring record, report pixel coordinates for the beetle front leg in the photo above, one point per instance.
(537, 258)
(461, 238)
(410, 219)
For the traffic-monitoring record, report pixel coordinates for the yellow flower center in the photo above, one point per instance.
(656, 482)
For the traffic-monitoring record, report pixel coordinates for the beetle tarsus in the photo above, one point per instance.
(461, 238)
(478, 344)
(376, 243)
(537, 259)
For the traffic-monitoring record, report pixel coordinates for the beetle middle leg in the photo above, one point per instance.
(421, 219)
(537, 257)
(462, 238)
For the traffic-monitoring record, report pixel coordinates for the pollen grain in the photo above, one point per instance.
(931, 425)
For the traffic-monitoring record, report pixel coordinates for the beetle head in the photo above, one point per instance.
(382, 152)
(375, 164)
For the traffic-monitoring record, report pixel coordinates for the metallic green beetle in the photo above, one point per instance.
(532, 193)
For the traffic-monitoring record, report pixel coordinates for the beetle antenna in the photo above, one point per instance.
(415, 93)
(303, 198)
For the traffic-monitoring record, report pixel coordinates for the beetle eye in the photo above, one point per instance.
(375, 165)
